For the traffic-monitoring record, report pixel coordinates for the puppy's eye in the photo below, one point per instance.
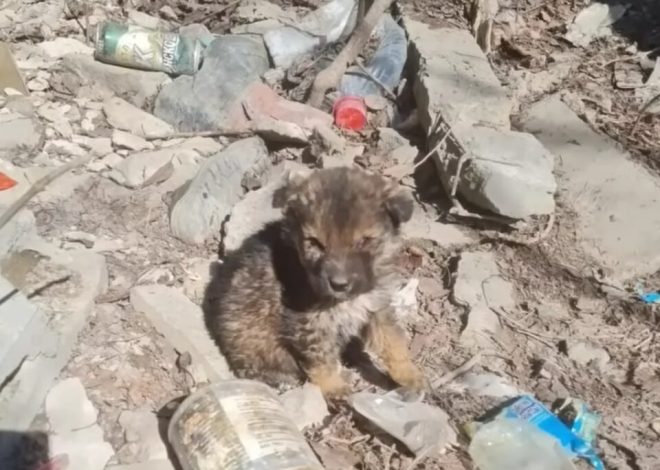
(312, 243)
(364, 243)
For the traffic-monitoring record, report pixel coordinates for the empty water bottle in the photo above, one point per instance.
(386, 67)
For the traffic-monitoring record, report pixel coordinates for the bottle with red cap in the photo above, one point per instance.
(386, 65)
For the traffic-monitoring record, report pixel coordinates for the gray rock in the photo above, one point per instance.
(585, 354)
(202, 102)
(198, 32)
(510, 173)
(136, 86)
(142, 433)
(17, 132)
(85, 448)
(258, 27)
(126, 140)
(616, 199)
(425, 226)
(152, 167)
(19, 229)
(37, 351)
(68, 408)
(143, 19)
(99, 146)
(202, 145)
(484, 385)
(595, 21)
(182, 323)
(210, 196)
(124, 116)
(305, 405)
(455, 79)
(59, 47)
(480, 287)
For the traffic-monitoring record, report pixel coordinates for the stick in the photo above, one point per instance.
(215, 133)
(329, 77)
(452, 375)
(39, 186)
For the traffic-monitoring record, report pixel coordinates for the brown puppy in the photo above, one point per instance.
(284, 306)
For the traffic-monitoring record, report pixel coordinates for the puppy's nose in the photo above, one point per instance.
(339, 283)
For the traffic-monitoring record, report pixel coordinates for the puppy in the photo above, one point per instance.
(284, 306)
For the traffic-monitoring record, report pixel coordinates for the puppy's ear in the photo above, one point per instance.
(398, 203)
(293, 181)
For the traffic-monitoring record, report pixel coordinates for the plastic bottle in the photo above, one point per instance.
(238, 425)
(508, 444)
(386, 66)
(326, 25)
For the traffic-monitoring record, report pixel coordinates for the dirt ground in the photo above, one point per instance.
(561, 298)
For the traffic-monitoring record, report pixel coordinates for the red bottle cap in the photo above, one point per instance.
(350, 112)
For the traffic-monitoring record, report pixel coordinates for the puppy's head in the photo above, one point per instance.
(345, 224)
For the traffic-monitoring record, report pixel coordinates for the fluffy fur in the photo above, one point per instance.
(284, 306)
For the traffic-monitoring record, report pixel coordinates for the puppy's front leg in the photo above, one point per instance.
(385, 338)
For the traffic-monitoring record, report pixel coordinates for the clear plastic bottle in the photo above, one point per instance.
(386, 66)
(238, 425)
(514, 444)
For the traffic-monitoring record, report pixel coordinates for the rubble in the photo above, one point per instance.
(617, 225)
(202, 102)
(17, 132)
(124, 116)
(151, 167)
(182, 323)
(480, 287)
(143, 439)
(83, 76)
(61, 46)
(200, 211)
(594, 22)
(585, 354)
(126, 140)
(86, 449)
(68, 408)
(305, 406)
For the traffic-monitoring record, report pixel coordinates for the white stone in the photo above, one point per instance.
(68, 408)
(142, 19)
(480, 287)
(17, 131)
(182, 323)
(616, 200)
(205, 146)
(305, 405)
(64, 147)
(59, 47)
(585, 354)
(142, 433)
(594, 22)
(126, 140)
(37, 84)
(98, 146)
(210, 196)
(86, 449)
(124, 116)
(145, 168)
(137, 86)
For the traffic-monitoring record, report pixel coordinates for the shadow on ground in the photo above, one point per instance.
(24, 451)
(640, 24)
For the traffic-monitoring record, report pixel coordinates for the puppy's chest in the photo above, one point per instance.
(347, 319)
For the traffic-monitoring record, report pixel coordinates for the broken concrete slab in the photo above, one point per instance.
(305, 405)
(124, 116)
(136, 86)
(18, 132)
(202, 102)
(480, 287)
(209, 198)
(454, 79)
(86, 448)
(143, 438)
(151, 167)
(253, 212)
(126, 140)
(39, 350)
(618, 223)
(68, 408)
(182, 323)
(508, 173)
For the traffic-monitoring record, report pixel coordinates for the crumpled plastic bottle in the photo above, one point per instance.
(386, 66)
(508, 444)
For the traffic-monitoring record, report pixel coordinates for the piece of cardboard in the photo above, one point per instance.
(10, 76)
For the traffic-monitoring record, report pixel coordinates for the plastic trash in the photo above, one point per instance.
(511, 443)
(386, 66)
(238, 425)
(652, 297)
(326, 25)
(422, 428)
(6, 182)
(516, 438)
(577, 415)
